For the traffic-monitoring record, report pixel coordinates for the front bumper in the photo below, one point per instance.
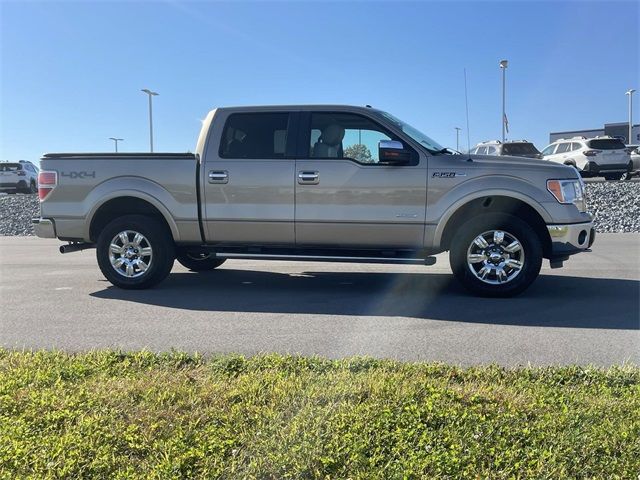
(44, 228)
(572, 238)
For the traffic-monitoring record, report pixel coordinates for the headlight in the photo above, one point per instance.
(569, 191)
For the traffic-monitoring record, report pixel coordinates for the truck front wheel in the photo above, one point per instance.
(198, 261)
(496, 255)
(135, 252)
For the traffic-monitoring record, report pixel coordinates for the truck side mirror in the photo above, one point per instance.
(392, 152)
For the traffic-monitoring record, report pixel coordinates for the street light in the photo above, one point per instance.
(503, 66)
(151, 94)
(457, 137)
(630, 138)
(116, 140)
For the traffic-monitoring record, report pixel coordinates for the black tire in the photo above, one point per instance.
(33, 188)
(157, 236)
(530, 244)
(198, 260)
(614, 176)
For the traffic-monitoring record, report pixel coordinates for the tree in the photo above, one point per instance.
(359, 152)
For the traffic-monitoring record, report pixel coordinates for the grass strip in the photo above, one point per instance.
(109, 414)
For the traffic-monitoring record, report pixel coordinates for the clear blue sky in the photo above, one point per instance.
(72, 71)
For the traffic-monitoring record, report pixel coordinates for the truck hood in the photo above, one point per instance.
(510, 163)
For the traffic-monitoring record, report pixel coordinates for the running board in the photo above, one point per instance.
(324, 258)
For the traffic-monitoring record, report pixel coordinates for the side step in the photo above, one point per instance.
(326, 258)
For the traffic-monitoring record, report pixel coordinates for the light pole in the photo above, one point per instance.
(457, 138)
(150, 94)
(630, 138)
(503, 66)
(116, 140)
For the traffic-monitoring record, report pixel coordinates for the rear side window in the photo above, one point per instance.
(606, 144)
(10, 167)
(491, 150)
(575, 146)
(255, 135)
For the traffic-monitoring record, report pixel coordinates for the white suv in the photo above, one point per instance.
(602, 156)
(19, 176)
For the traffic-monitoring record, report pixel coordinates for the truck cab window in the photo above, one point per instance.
(345, 135)
(255, 135)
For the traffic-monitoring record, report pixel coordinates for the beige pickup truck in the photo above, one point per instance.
(315, 183)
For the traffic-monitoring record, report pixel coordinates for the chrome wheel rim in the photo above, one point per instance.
(130, 254)
(495, 257)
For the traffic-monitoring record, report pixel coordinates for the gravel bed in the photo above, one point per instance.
(16, 212)
(616, 206)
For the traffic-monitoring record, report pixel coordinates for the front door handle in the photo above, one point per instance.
(218, 176)
(308, 177)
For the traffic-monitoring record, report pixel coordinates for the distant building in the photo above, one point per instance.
(620, 130)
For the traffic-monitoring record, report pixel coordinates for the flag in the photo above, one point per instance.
(506, 122)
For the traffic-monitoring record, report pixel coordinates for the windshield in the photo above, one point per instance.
(415, 134)
(519, 149)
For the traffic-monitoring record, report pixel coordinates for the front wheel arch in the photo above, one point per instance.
(497, 204)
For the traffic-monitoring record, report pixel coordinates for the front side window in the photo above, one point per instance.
(346, 135)
(548, 150)
(563, 147)
(255, 135)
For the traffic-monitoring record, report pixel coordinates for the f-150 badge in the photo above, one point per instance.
(448, 174)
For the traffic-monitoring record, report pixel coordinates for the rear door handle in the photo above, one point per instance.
(306, 177)
(218, 176)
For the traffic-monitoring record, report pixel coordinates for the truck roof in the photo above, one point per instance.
(253, 108)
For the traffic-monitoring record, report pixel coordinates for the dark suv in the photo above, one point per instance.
(513, 148)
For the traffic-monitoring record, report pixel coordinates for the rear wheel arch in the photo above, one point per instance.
(496, 204)
(127, 205)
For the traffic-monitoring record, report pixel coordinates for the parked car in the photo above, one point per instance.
(315, 183)
(634, 152)
(602, 156)
(19, 176)
(514, 148)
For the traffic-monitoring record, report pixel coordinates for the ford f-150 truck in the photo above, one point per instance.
(314, 183)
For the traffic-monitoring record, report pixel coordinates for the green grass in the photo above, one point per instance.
(131, 415)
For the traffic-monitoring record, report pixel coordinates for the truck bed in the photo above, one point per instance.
(87, 181)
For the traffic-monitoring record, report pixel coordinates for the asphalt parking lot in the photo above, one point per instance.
(586, 313)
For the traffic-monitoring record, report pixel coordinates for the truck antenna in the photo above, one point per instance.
(466, 104)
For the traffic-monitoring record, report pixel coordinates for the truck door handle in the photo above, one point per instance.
(218, 176)
(308, 178)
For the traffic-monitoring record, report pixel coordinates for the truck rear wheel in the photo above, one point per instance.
(135, 252)
(496, 255)
(198, 260)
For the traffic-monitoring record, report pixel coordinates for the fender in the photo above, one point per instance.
(485, 187)
(136, 187)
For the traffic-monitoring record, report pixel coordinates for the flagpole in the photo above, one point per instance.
(503, 66)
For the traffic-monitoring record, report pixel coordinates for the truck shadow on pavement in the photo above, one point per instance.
(553, 301)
